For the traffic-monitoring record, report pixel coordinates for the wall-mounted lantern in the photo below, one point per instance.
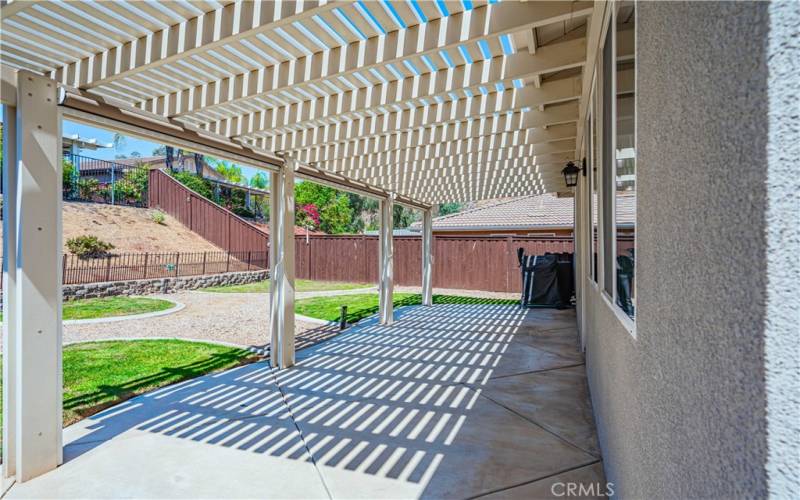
(570, 173)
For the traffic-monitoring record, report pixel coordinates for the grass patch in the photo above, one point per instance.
(360, 306)
(107, 307)
(300, 286)
(101, 374)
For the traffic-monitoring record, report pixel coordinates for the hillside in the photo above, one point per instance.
(130, 229)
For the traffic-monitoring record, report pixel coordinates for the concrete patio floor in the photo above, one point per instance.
(452, 401)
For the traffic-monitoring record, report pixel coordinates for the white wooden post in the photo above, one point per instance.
(385, 261)
(427, 257)
(9, 292)
(282, 273)
(32, 377)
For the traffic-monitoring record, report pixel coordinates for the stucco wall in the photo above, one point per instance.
(681, 407)
(782, 349)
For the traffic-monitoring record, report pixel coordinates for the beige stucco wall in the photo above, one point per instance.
(682, 403)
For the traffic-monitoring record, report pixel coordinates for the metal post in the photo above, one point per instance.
(385, 261)
(113, 180)
(282, 271)
(427, 257)
(32, 374)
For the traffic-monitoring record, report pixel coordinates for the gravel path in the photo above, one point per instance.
(236, 318)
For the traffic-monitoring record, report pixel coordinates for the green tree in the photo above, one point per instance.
(119, 141)
(259, 180)
(336, 216)
(310, 193)
(365, 213)
(231, 172)
(160, 151)
(449, 208)
(403, 217)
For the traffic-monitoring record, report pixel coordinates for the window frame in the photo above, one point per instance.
(627, 322)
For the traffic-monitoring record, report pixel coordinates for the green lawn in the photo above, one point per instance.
(110, 306)
(300, 286)
(362, 305)
(100, 374)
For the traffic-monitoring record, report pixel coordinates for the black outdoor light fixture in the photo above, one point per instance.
(570, 173)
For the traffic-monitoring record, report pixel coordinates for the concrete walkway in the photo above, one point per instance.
(452, 401)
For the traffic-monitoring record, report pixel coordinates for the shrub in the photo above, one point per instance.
(87, 188)
(243, 212)
(157, 217)
(68, 176)
(196, 184)
(88, 246)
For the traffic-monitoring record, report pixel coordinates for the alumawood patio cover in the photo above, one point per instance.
(414, 102)
(433, 101)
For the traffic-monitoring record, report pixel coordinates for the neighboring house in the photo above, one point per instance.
(534, 215)
(209, 172)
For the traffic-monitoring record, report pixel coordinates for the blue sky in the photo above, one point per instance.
(132, 144)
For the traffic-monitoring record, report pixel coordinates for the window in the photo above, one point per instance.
(593, 163)
(607, 168)
(625, 156)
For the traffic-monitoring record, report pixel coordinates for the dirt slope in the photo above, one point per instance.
(130, 229)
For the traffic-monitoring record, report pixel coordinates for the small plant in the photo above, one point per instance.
(87, 188)
(88, 246)
(158, 217)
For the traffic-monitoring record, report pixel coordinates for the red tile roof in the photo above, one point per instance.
(546, 211)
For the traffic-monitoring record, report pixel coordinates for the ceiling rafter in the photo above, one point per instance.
(195, 36)
(461, 131)
(373, 164)
(460, 146)
(424, 90)
(396, 46)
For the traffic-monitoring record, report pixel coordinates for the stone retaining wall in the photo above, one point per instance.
(159, 285)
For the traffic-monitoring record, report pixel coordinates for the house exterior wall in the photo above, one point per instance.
(685, 401)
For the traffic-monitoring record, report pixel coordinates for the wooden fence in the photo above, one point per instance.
(158, 265)
(469, 262)
(209, 220)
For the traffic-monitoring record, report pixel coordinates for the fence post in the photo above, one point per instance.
(108, 268)
(228, 264)
(146, 258)
(63, 268)
(204, 263)
(113, 180)
(365, 269)
(177, 261)
(509, 261)
(249, 252)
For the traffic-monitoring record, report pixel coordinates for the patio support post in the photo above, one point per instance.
(32, 274)
(386, 261)
(427, 257)
(282, 272)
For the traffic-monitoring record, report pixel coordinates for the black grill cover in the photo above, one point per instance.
(547, 280)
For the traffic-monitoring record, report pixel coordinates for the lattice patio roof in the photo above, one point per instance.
(434, 100)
